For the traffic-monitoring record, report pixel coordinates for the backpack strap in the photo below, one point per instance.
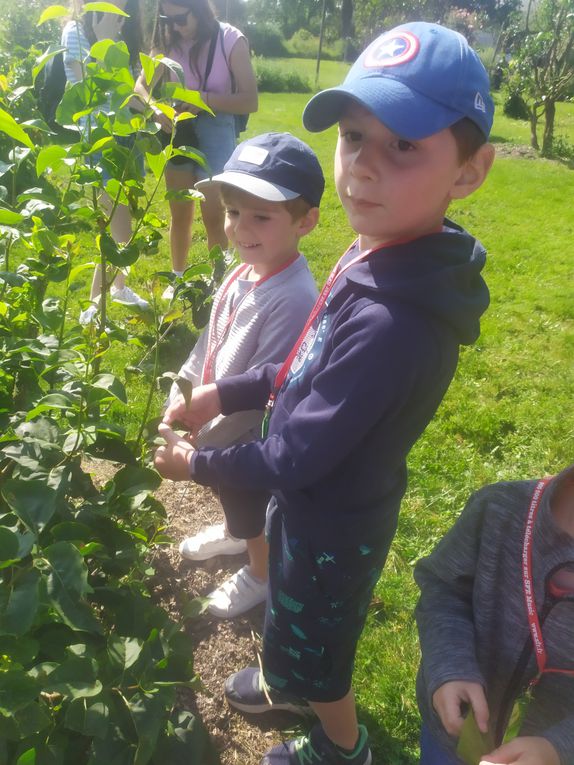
(210, 56)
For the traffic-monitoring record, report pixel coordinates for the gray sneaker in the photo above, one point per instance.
(247, 691)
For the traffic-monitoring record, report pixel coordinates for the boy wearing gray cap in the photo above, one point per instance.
(371, 366)
(271, 188)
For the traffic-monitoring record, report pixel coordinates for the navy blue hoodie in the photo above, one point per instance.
(363, 390)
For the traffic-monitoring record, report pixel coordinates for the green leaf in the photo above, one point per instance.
(9, 545)
(66, 578)
(33, 718)
(75, 678)
(113, 385)
(22, 650)
(149, 66)
(147, 713)
(50, 157)
(124, 651)
(18, 616)
(472, 743)
(131, 480)
(32, 501)
(104, 8)
(27, 758)
(9, 217)
(175, 67)
(9, 126)
(17, 690)
(157, 163)
(53, 12)
(42, 60)
(75, 272)
(186, 388)
(90, 719)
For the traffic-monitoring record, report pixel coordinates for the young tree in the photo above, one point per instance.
(542, 64)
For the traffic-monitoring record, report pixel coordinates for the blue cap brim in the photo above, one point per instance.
(405, 112)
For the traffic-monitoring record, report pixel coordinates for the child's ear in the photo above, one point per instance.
(308, 222)
(473, 172)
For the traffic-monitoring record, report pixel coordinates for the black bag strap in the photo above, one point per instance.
(210, 56)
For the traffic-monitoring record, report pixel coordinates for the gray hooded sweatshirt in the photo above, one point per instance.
(472, 618)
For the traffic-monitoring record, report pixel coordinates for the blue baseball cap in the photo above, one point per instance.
(275, 167)
(417, 79)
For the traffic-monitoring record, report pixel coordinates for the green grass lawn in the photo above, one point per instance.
(508, 413)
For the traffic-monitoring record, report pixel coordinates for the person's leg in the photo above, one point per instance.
(245, 518)
(258, 552)
(176, 179)
(213, 215)
(339, 720)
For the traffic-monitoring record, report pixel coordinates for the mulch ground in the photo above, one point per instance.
(221, 647)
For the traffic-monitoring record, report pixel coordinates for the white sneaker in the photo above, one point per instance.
(212, 541)
(88, 316)
(167, 294)
(127, 296)
(239, 594)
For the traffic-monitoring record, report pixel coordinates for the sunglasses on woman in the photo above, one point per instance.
(180, 19)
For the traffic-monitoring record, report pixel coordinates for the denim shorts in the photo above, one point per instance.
(317, 605)
(216, 141)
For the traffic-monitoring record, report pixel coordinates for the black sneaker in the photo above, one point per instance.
(247, 691)
(318, 749)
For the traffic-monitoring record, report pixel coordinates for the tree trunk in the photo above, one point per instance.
(347, 18)
(534, 129)
(548, 136)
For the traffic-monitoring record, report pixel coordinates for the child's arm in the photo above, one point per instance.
(445, 621)
(524, 750)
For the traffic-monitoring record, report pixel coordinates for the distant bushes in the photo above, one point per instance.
(304, 44)
(266, 40)
(272, 78)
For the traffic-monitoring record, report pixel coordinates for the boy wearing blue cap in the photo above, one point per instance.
(271, 188)
(371, 366)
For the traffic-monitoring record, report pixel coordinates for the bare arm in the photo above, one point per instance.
(244, 100)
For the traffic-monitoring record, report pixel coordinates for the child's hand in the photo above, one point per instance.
(448, 699)
(205, 404)
(172, 460)
(523, 750)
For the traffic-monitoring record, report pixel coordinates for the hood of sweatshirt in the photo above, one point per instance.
(439, 272)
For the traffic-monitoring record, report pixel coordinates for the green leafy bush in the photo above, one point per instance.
(304, 44)
(515, 107)
(272, 78)
(89, 662)
(266, 40)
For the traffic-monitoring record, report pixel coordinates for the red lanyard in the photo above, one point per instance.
(335, 274)
(215, 342)
(528, 586)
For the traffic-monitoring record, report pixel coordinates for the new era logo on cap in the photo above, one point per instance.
(479, 102)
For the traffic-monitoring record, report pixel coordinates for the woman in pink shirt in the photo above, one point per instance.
(216, 61)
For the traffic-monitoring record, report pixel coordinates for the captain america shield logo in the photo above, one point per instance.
(392, 50)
